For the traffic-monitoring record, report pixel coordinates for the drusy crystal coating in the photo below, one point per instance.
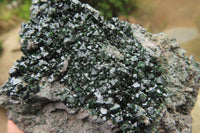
(101, 64)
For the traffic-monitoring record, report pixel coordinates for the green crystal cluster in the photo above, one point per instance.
(101, 64)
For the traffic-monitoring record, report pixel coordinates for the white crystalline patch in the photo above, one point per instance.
(87, 76)
(82, 47)
(113, 82)
(146, 43)
(51, 79)
(112, 51)
(136, 85)
(103, 111)
(111, 26)
(116, 106)
(137, 95)
(67, 40)
(13, 69)
(65, 65)
(42, 62)
(75, 1)
(112, 70)
(159, 91)
(35, 1)
(110, 100)
(99, 96)
(15, 81)
(90, 8)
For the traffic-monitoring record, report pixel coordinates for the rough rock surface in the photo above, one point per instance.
(81, 73)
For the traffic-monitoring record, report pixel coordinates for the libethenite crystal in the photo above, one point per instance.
(101, 64)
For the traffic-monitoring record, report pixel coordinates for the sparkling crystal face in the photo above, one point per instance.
(102, 65)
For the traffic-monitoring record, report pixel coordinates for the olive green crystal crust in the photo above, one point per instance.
(101, 64)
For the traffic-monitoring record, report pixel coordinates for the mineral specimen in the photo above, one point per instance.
(72, 56)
